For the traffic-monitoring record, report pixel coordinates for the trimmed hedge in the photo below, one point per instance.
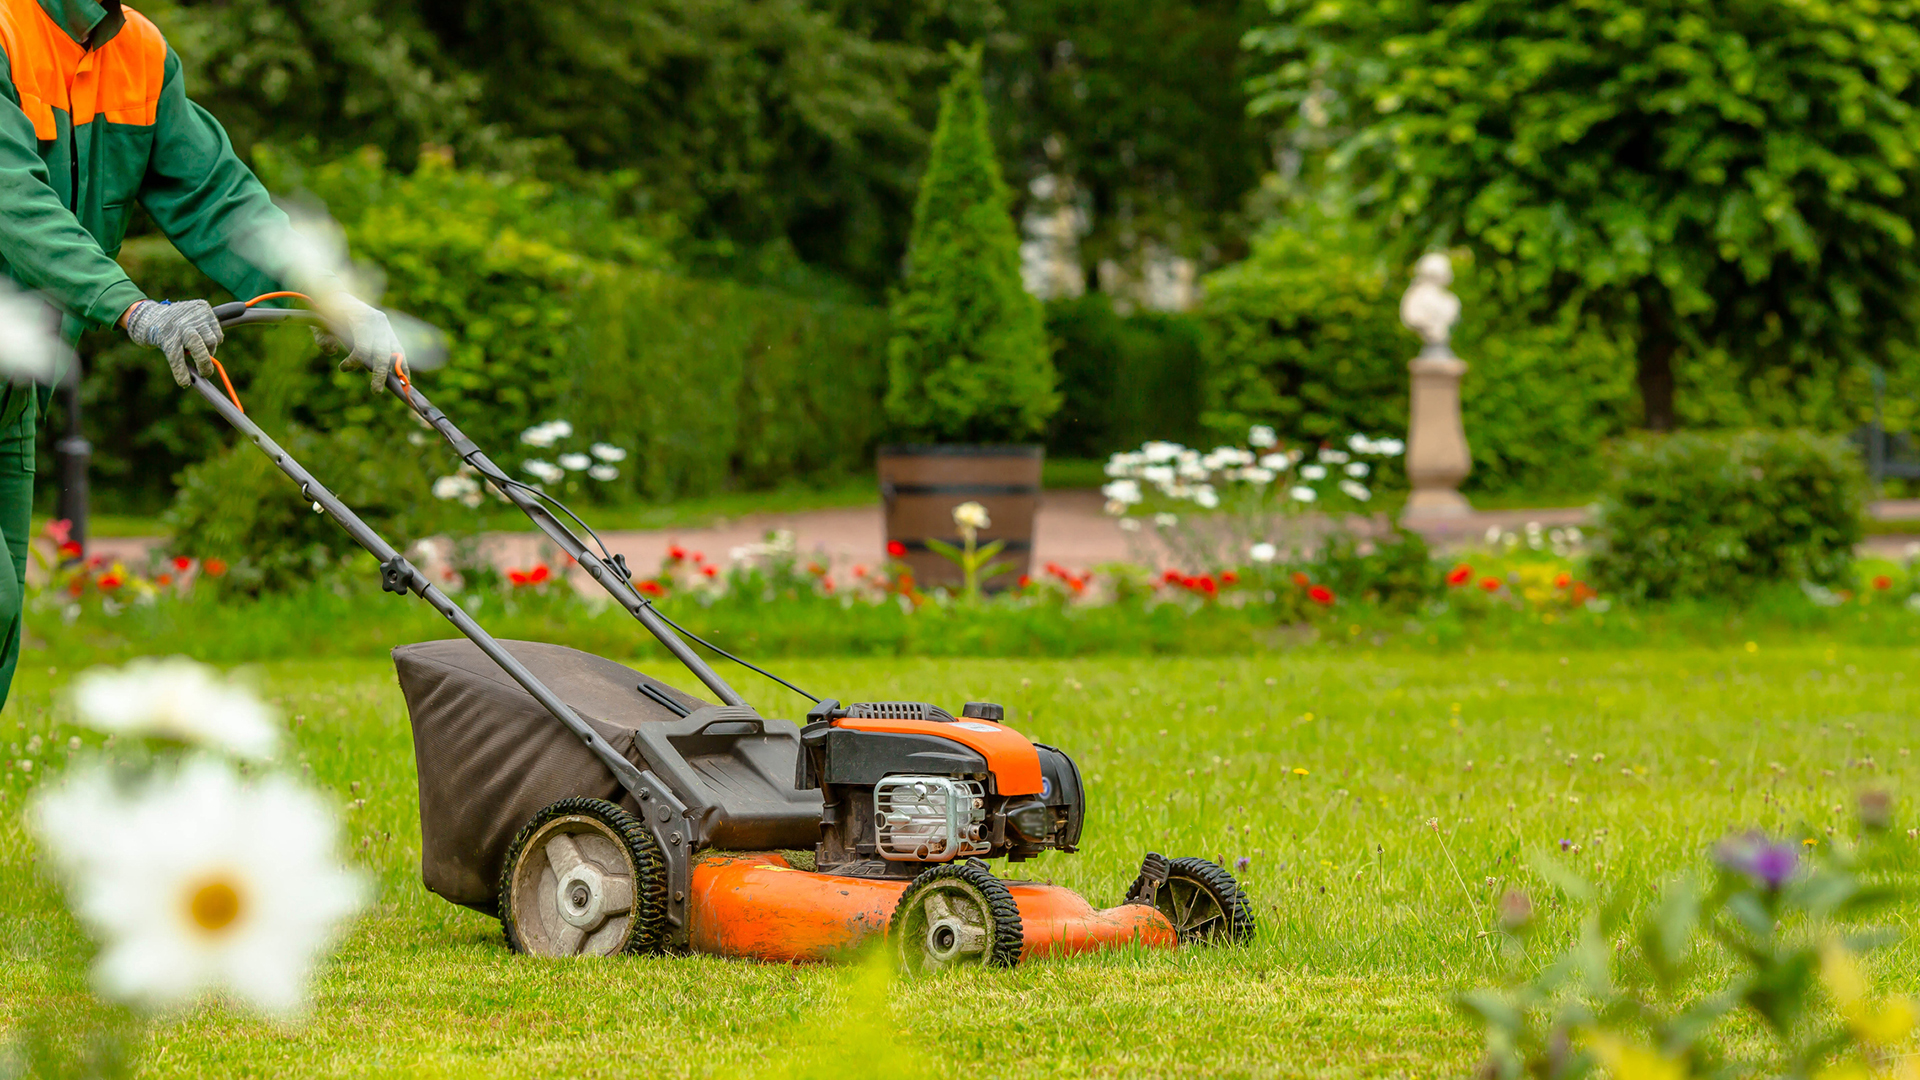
(1697, 516)
(1125, 379)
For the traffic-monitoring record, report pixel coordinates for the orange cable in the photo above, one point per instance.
(231, 396)
(284, 295)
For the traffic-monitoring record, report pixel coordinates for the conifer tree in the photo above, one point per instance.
(969, 359)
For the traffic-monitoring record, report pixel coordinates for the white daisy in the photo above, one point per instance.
(179, 699)
(1263, 552)
(1125, 492)
(1357, 470)
(1313, 472)
(456, 487)
(1356, 490)
(576, 462)
(1303, 494)
(971, 516)
(198, 881)
(544, 471)
(1261, 436)
(604, 472)
(608, 452)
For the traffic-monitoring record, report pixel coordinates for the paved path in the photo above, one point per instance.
(1071, 530)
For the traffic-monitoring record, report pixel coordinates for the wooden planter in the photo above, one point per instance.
(922, 484)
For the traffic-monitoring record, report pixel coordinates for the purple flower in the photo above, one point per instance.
(1565, 844)
(1767, 863)
(1242, 863)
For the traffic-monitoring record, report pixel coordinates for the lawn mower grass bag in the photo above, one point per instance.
(490, 757)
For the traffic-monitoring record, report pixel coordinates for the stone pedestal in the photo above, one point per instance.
(1437, 456)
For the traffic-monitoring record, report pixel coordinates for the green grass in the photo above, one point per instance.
(1368, 916)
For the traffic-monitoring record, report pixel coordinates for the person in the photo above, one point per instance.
(94, 119)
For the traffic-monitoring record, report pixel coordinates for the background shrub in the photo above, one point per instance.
(1124, 379)
(969, 360)
(1697, 515)
(1305, 335)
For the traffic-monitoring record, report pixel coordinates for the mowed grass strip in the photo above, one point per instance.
(1381, 804)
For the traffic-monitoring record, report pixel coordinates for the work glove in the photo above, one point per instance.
(375, 345)
(188, 328)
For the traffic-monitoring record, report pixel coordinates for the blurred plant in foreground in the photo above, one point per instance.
(1755, 974)
(196, 873)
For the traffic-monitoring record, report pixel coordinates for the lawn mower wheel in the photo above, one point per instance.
(584, 878)
(955, 915)
(1198, 896)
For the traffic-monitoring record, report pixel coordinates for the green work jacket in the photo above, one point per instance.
(93, 119)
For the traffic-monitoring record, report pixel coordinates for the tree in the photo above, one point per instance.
(969, 359)
(1732, 179)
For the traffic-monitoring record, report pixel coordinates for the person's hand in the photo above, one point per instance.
(180, 330)
(375, 345)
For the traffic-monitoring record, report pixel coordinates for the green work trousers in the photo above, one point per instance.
(16, 519)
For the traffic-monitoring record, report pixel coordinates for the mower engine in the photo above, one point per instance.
(907, 784)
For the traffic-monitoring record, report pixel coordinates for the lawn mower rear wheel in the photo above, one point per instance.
(956, 915)
(584, 878)
(1202, 901)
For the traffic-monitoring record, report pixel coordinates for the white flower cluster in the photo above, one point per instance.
(1564, 543)
(600, 460)
(460, 486)
(1188, 475)
(778, 542)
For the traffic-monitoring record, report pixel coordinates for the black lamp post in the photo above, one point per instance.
(71, 454)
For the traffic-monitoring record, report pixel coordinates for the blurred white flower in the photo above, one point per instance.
(1356, 490)
(1263, 552)
(1493, 534)
(971, 516)
(604, 472)
(1159, 452)
(608, 452)
(1360, 444)
(575, 462)
(1124, 492)
(1160, 476)
(1129, 524)
(30, 345)
(1261, 436)
(544, 471)
(1313, 472)
(458, 486)
(198, 881)
(1389, 447)
(1303, 494)
(1574, 534)
(1333, 457)
(1276, 462)
(1206, 497)
(179, 699)
(1166, 521)
(1357, 469)
(545, 435)
(1255, 474)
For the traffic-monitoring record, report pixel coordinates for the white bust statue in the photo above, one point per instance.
(1428, 309)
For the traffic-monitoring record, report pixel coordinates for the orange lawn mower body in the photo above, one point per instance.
(597, 810)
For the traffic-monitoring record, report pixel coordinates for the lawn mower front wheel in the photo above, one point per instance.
(584, 878)
(956, 915)
(1202, 901)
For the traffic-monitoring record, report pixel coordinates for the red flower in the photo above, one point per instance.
(699, 558)
(214, 567)
(1025, 581)
(826, 583)
(540, 573)
(519, 577)
(163, 580)
(1883, 583)
(859, 571)
(816, 569)
(69, 550)
(182, 563)
(77, 586)
(1207, 584)
(1173, 577)
(651, 588)
(110, 581)
(896, 549)
(1491, 584)
(1565, 579)
(710, 571)
(1582, 592)
(1459, 575)
(1228, 577)
(1321, 595)
(676, 553)
(60, 531)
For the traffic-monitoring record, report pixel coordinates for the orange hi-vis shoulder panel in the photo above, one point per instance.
(120, 81)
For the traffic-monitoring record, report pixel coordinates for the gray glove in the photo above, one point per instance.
(375, 345)
(188, 328)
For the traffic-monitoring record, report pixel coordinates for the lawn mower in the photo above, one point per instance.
(597, 810)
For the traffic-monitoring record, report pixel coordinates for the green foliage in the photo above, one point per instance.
(1124, 379)
(1719, 515)
(1734, 179)
(1305, 335)
(1397, 573)
(969, 359)
(1771, 944)
(713, 385)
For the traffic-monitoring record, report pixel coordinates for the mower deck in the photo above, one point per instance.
(757, 906)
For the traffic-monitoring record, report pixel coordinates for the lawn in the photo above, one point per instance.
(1382, 799)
